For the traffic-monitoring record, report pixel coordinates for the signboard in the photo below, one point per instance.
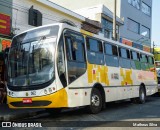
(4, 43)
(126, 42)
(5, 24)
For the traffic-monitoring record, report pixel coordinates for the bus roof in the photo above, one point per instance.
(64, 25)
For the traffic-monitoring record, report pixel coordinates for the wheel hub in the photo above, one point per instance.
(95, 100)
(142, 95)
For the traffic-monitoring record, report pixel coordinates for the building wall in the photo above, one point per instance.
(5, 24)
(4, 7)
(138, 16)
(49, 15)
(124, 11)
(78, 4)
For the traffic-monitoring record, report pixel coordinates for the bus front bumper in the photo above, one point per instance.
(58, 99)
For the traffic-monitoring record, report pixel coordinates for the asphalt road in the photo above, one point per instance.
(117, 114)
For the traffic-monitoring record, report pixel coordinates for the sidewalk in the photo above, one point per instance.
(7, 114)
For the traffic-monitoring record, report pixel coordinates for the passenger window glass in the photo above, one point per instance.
(94, 53)
(114, 49)
(143, 58)
(134, 55)
(108, 49)
(75, 49)
(123, 53)
(124, 59)
(111, 49)
(94, 45)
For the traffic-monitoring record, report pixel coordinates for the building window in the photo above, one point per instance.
(145, 31)
(133, 26)
(107, 34)
(108, 28)
(135, 3)
(146, 9)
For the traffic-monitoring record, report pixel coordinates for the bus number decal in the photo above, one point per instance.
(33, 93)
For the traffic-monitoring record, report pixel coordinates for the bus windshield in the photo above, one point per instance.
(31, 59)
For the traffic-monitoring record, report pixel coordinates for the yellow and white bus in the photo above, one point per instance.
(61, 66)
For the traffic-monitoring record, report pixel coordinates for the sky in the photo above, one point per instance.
(156, 22)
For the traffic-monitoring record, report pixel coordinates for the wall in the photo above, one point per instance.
(138, 16)
(50, 15)
(124, 10)
(5, 23)
(78, 4)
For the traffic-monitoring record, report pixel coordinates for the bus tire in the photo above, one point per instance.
(53, 111)
(142, 95)
(96, 101)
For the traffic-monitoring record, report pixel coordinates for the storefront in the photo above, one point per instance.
(5, 31)
(5, 36)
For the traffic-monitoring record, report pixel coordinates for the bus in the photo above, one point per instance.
(61, 66)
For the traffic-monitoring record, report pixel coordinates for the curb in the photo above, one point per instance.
(20, 116)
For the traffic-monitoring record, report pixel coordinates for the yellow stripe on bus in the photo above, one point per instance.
(58, 99)
(86, 32)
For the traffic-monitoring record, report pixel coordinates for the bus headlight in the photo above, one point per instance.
(50, 90)
(45, 91)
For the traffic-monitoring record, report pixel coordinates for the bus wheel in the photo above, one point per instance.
(96, 101)
(142, 95)
(53, 111)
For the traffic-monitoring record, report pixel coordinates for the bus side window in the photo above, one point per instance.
(111, 55)
(135, 60)
(124, 59)
(75, 50)
(95, 51)
(151, 63)
(144, 64)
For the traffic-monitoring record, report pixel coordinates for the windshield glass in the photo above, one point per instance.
(31, 62)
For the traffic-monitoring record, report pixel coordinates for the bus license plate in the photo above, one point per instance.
(27, 100)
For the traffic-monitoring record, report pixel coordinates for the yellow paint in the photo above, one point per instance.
(101, 74)
(1, 26)
(106, 77)
(2, 21)
(90, 75)
(86, 32)
(58, 99)
(126, 77)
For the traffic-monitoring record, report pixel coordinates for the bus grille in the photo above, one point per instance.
(33, 104)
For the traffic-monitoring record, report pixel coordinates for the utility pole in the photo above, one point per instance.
(114, 20)
(153, 47)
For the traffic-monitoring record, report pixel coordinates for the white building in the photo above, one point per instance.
(50, 13)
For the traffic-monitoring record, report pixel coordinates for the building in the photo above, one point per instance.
(32, 13)
(5, 24)
(5, 32)
(135, 14)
